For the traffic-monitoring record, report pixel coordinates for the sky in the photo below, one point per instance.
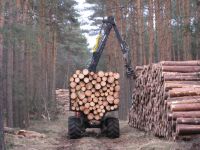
(85, 22)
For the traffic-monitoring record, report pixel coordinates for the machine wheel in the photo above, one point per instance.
(112, 125)
(74, 127)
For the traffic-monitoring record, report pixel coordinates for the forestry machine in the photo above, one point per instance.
(108, 125)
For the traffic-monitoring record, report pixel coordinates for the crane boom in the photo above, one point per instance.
(107, 26)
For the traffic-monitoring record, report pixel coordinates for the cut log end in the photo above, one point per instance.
(94, 93)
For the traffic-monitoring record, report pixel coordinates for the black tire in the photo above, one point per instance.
(112, 125)
(74, 127)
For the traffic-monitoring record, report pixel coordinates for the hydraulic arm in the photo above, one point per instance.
(107, 25)
(109, 125)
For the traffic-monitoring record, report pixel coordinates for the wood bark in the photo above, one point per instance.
(183, 129)
(181, 63)
(166, 99)
(151, 31)
(185, 114)
(185, 107)
(140, 32)
(168, 30)
(10, 75)
(198, 35)
(187, 33)
(192, 121)
(93, 98)
(2, 144)
(181, 69)
(159, 23)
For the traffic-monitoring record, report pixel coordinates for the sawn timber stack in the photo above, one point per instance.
(166, 99)
(94, 94)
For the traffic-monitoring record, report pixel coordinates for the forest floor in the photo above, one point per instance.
(56, 136)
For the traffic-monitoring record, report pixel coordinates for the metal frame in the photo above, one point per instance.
(107, 26)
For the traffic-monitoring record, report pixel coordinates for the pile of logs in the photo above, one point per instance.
(166, 99)
(94, 93)
(62, 98)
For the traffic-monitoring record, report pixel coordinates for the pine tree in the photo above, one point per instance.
(33, 33)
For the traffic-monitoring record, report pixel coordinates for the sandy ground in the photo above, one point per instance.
(130, 139)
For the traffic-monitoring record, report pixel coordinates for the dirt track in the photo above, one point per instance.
(130, 139)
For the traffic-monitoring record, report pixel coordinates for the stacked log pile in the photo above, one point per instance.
(166, 99)
(94, 93)
(62, 98)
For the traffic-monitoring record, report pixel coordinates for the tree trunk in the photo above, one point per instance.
(25, 113)
(186, 34)
(151, 31)
(198, 32)
(2, 144)
(158, 29)
(140, 32)
(10, 85)
(168, 34)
